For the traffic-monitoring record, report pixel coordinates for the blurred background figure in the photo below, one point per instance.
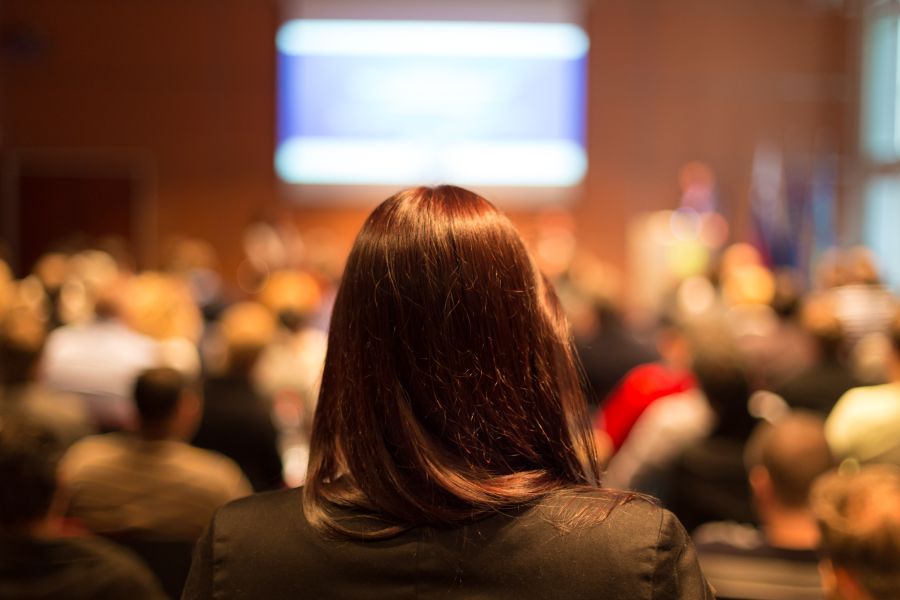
(161, 306)
(865, 308)
(606, 341)
(237, 416)
(22, 338)
(290, 366)
(151, 484)
(670, 423)
(818, 387)
(707, 480)
(150, 490)
(778, 559)
(99, 355)
(196, 263)
(864, 425)
(645, 384)
(859, 517)
(38, 557)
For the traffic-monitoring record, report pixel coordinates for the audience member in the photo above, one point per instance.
(859, 517)
(608, 350)
(773, 347)
(37, 559)
(99, 360)
(151, 485)
(291, 365)
(22, 338)
(865, 423)
(237, 417)
(451, 451)
(645, 384)
(819, 387)
(707, 481)
(668, 426)
(161, 307)
(779, 559)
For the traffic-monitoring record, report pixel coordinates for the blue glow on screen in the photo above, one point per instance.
(406, 102)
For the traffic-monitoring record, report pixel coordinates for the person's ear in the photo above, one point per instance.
(839, 583)
(849, 585)
(190, 411)
(828, 578)
(760, 483)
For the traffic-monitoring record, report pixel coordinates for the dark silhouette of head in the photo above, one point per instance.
(28, 458)
(450, 388)
(166, 403)
(722, 377)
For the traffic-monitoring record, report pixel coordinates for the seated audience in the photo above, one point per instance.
(451, 452)
(865, 308)
(161, 307)
(290, 367)
(22, 337)
(819, 386)
(237, 417)
(865, 423)
(152, 484)
(645, 384)
(38, 560)
(859, 517)
(99, 360)
(777, 560)
(675, 422)
(707, 481)
(607, 349)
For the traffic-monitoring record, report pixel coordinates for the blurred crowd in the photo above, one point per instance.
(168, 393)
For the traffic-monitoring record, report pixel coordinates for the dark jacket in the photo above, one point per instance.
(263, 547)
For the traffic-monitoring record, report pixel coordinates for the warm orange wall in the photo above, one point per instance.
(190, 85)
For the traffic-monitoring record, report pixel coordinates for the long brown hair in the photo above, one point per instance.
(450, 389)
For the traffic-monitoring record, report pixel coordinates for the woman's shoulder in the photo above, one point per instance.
(604, 513)
(624, 544)
(276, 509)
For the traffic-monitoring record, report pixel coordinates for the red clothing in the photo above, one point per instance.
(638, 390)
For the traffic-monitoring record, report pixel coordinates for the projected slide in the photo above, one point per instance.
(409, 102)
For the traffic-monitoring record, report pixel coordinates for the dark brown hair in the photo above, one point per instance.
(157, 392)
(450, 390)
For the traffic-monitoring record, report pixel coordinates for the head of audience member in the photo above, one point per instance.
(449, 389)
(28, 459)
(293, 296)
(783, 460)
(788, 292)
(168, 405)
(22, 337)
(862, 266)
(673, 343)
(245, 329)
(818, 317)
(859, 517)
(722, 378)
(161, 306)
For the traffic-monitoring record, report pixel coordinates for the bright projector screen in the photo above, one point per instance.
(405, 102)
